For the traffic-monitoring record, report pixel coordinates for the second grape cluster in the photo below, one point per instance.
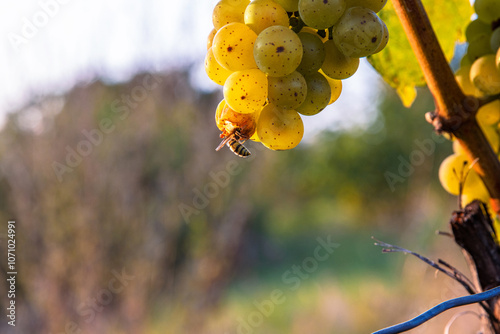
(479, 76)
(280, 59)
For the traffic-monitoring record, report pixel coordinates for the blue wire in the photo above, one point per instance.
(427, 315)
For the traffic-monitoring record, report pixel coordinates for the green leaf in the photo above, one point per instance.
(397, 63)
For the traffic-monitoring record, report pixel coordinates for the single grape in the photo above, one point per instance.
(359, 32)
(321, 14)
(287, 92)
(487, 10)
(210, 38)
(495, 40)
(475, 29)
(289, 5)
(228, 120)
(375, 5)
(489, 114)
(279, 129)
(335, 87)
(479, 47)
(318, 95)
(261, 14)
(452, 172)
(385, 39)
(233, 47)
(246, 91)
(336, 64)
(227, 11)
(313, 53)
(485, 75)
(462, 75)
(277, 51)
(215, 71)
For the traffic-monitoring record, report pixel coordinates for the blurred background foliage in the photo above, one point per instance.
(122, 211)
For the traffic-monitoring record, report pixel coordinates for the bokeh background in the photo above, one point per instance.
(128, 221)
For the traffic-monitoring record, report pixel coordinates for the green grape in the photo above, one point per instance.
(487, 10)
(277, 51)
(375, 5)
(462, 75)
(318, 95)
(485, 75)
(479, 47)
(246, 91)
(321, 14)
(359, 32)
(261, 14)
(385, 39)
(289, 5)
(335, 87)
(287, 92)
(465, 61)
(489, 114)
(233, 47)
(215, 71)
(314, 53)
(495, 40)
(210, 38)
(279, 129)
(227, 11)
(475, 29)
(452, 171)
(336, 64)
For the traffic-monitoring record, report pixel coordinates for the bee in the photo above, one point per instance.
(236, 129)
(234, 144)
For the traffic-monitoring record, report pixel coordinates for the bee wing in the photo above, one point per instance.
(223, 142)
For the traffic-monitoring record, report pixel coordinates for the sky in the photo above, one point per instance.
(48, 46)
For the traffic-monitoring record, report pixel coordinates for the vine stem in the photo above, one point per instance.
(455, 112)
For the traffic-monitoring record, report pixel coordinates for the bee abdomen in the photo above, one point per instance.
(238, 148)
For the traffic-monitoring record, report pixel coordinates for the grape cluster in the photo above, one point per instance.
(280, 59)
(478, 75)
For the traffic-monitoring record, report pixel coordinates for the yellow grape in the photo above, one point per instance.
(227, 11)
(228, 120)
(318, 95)
(233, 47)
(313, 53)
(246, 91)
(321, 14)
(279, 129)
(489, 114)
(481, 194)
(485, 75)
(335, 86)
(210, 38)
(336, 64)
(261, 14)
(278, 51)
(215, 71)
(462, 76)
(375, 5)
(497, 57)
(287, 92)
(452, 169)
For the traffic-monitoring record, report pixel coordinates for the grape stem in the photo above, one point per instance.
(454, 111)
